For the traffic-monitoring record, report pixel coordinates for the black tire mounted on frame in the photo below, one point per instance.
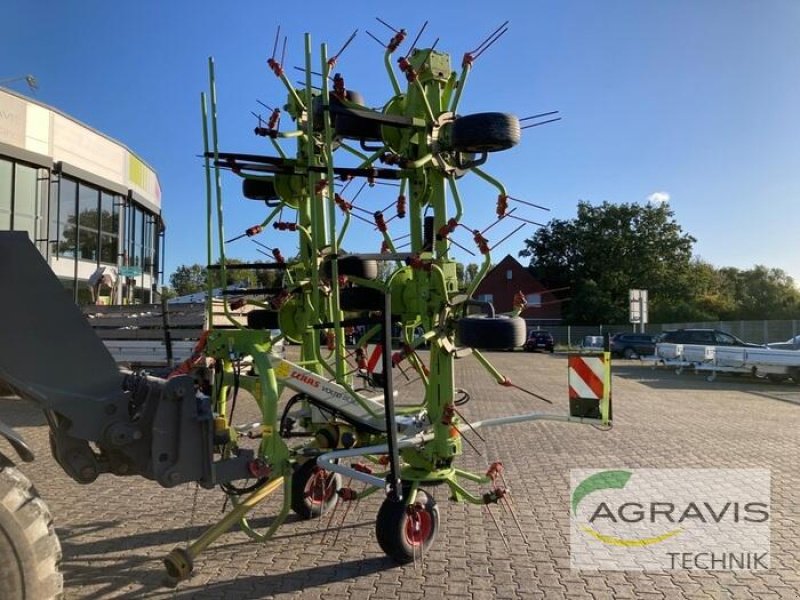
(314, 490)
(485, 132)
(404, 531)
(353, 266)
(491, 333)
(361, 298)
(30, 552)
(261, 189)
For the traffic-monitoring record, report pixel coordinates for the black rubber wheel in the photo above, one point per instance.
(314, 490)
(261, 189)
(361, 298)
(628, 353)
(334, 104)
(353, 266)
(356, 127)
(30, 553)
(485, 132)
(497, 333)
(427, 234)
(404, 531)
(263, 319)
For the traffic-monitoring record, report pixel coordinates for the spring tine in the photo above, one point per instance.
(471, 445)
(540, 115)
(375, 38)
(490, 44)
(528, 203)
(361, 189)
(255, 241)
(525, 220)
(330, 521)
(510, 234)
(346, 44)
(488, 38)
(498, 220)
(283, 52)
(542, 123)
(497, 525)
(468, 424)
(264, 105)
(382, 22)
(514, 516)
(467, 250)
(275, 46)
(341, 525)
(416, 39)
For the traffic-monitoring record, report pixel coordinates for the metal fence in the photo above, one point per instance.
(759, 332)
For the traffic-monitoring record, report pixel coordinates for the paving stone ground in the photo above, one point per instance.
(115, 532)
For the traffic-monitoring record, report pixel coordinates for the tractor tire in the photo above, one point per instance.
(485, 132)
(263, 319)
(314, 490)
(261, 189)
(403, 531)
(30, 553)
(498, 333)
(353, 266)
(356, 299)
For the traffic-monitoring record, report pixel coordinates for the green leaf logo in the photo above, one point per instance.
(599, 481)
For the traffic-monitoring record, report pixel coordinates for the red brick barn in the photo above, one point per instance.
(507, 278)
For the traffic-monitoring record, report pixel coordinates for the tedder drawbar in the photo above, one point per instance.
(179, 429)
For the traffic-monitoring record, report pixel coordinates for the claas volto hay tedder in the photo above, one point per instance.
(179, 429)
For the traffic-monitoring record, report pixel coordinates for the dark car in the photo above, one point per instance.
(704, 337)
(539, 340)
(629, 345)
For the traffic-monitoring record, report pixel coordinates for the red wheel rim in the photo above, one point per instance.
(321, 487)
(419, 526)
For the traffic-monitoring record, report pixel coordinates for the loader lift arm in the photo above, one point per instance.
(141, 425)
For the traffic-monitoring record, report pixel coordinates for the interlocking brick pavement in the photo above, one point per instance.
(116, 531)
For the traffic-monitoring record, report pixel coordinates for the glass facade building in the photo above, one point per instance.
(87, 202)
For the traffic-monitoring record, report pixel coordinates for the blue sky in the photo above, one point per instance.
(694, 99)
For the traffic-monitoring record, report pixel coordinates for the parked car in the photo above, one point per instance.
(539, 340)
(790, 344)
(628, 345)
(592, 343)
(704, 337)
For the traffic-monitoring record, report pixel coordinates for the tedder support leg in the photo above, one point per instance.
(180, 561)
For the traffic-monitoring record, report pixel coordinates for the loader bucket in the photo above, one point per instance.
(48, 351)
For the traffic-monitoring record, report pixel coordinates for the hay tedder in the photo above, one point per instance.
(318, 425)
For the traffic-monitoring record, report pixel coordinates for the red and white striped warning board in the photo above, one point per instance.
(374, 362)
(586, 376)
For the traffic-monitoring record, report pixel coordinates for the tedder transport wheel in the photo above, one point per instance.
(485, 132)
(404, 531)
(314, 490)
(29, 549)
(353, 266)
(491, 333)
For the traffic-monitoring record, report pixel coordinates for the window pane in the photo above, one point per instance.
(5, 195)
(88, 221)
(108, 248)
(67, 225)
(108, 213)
(25, 200)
